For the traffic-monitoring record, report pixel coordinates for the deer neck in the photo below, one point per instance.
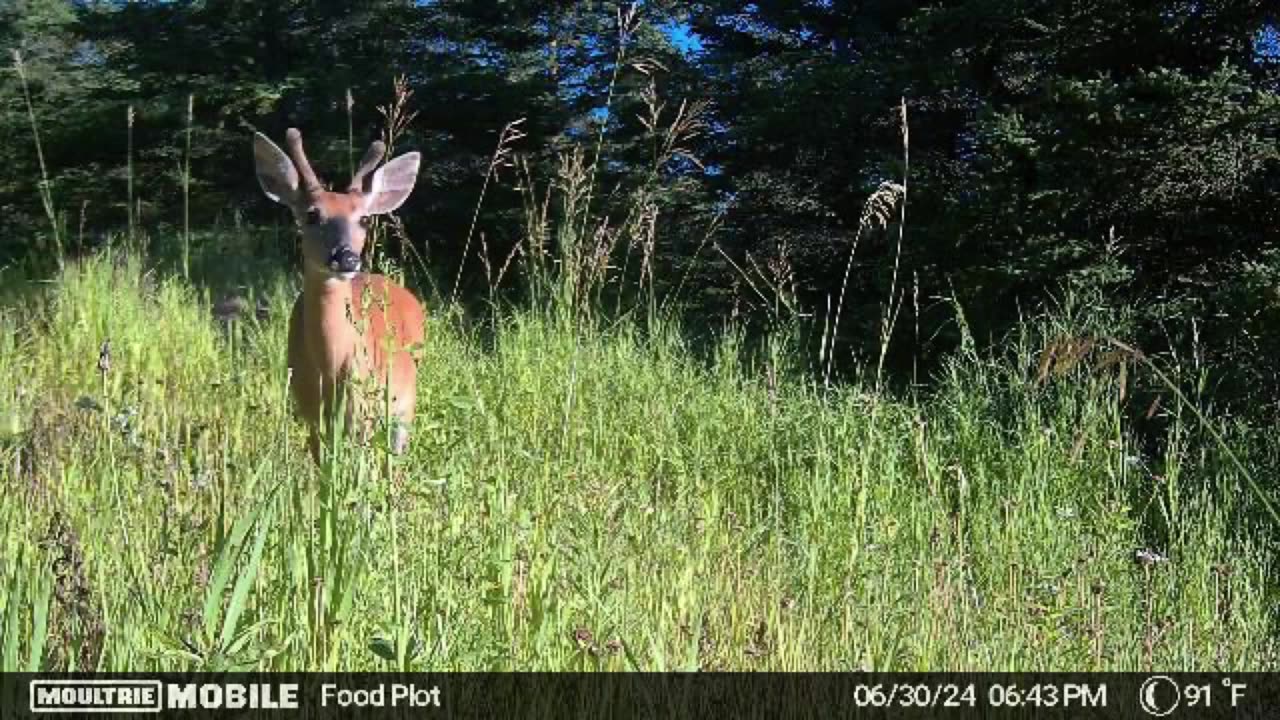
(331, 337)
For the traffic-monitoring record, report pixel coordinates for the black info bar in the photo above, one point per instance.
(667, 695)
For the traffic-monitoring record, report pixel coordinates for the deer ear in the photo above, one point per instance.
(392, 183)
(276, 173)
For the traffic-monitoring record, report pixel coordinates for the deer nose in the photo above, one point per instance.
(344, 260)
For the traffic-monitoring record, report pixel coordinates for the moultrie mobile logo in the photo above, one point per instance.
(152, 696)
(95, 696)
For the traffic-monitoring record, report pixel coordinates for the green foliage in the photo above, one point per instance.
(473, 68)
(599, 498)
(1128, 149)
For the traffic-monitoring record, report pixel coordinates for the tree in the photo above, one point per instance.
(1124, 148)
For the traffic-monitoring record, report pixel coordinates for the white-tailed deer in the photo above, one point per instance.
(347, 327)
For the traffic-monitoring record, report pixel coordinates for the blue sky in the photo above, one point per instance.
(1267, 43)
(683, 38)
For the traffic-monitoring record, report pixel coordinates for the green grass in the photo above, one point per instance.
(595, 499)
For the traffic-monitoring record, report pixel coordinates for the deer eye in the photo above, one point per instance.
(365, 222)
(313, 216)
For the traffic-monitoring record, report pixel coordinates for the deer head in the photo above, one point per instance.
(333, 224)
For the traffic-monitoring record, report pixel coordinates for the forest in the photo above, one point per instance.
(1125, 152)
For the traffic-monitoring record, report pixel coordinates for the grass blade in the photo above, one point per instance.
(240, 596)
(39, 623)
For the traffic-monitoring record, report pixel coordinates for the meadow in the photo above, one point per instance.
(605, 495)
(599, 480)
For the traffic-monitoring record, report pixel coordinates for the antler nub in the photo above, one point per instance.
(372, 157)
(294, 140)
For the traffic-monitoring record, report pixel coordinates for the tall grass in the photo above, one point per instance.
(131, 209)
(680, 513)
(185, 173)
(45, 186)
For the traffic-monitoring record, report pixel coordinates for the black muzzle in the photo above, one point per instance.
(344, 260)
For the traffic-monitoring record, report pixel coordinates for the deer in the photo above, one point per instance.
(351, 334)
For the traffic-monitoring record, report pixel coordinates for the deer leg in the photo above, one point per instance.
(399, 436)
(313, 444)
